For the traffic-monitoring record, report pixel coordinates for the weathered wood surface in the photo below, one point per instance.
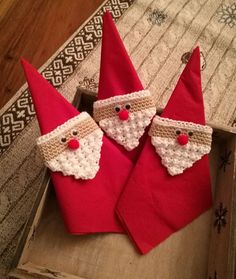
(52, 253)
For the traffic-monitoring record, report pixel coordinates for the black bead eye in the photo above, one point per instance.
(190, 133)
(117, 108)
(63, 139)
(74, 133)
(178, 132)
(127, 106)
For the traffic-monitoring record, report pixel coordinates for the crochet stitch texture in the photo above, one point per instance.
(127, 133)
(175, 157)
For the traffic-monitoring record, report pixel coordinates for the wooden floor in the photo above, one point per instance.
(35, 30)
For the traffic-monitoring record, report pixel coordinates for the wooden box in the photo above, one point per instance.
(205, 249)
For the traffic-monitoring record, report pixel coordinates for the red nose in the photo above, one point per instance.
(73, 144)
(182, 139)
(123, 114)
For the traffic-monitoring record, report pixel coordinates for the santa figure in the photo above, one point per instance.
(88, 172)
(124, 109)
(170, 185)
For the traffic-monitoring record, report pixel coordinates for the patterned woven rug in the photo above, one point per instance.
(159, 36)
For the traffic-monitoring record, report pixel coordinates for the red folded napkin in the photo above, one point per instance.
(124, 109)
(87, 170)
(170, 185)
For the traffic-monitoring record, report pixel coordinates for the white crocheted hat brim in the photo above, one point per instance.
(63, 127)
(181, 124)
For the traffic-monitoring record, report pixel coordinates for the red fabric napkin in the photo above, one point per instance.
(118, 78)
(87, 206)
(155, 204)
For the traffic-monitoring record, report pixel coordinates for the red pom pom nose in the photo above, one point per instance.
(182, 139)
(123, 114)
(73, 144)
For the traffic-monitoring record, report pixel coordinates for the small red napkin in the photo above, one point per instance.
(155, 204)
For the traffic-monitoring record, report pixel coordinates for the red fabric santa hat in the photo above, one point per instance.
(121, 93)
(51, 108)
(158, 201)
(87, 203)
(186, 102)
(117, 73)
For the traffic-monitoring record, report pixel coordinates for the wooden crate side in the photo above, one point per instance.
(232, 222)
(222, 244)
(223, 133)
(33, 221)
(32, 271)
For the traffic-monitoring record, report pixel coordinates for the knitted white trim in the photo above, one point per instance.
(181, 124)
(64, 127)
(122, 98)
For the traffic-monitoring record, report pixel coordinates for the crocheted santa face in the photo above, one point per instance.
(179, 143)
(74, 147)
(125, 117)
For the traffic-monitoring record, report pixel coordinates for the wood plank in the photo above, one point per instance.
(222, 247)
(30, 270)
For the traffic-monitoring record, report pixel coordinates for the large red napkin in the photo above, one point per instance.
(162, 195)
(87, 204)
(124, 109)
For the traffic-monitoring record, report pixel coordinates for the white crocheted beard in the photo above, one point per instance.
(81, 163)
(74, 148)
(127, 133)
(179, 144)
(124, 118)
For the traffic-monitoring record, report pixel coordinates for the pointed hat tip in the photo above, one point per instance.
(186, 102)
(117, 73)
(27, 67)
(51, 107)
(195, 52)
(24, 62)
(107, 16)
(107, 13)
